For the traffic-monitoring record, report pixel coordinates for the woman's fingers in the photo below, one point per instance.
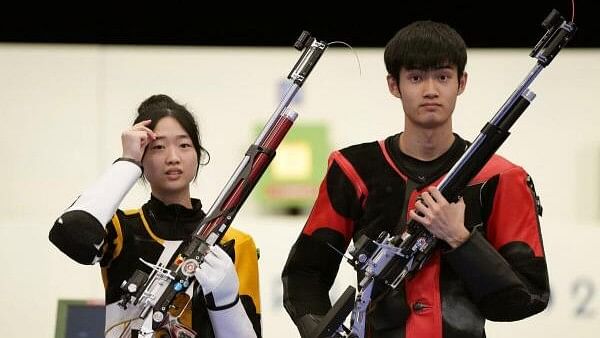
(143, 127)
(135, 139)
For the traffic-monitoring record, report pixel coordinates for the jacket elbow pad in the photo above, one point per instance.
(79, 235)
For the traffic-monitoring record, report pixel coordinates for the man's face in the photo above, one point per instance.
(428, 96)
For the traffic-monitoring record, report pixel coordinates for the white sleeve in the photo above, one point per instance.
(102, 199)
(231, 322)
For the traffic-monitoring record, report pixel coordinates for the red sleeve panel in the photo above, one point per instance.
(334, 207)
(509, 221)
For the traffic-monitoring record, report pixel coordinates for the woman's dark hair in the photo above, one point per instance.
(158, 106)
(425, 45)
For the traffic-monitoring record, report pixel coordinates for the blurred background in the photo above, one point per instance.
(73, 77)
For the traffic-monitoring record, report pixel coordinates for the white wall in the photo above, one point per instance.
(63, 108)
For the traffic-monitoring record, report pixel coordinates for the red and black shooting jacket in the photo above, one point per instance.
(498, 274)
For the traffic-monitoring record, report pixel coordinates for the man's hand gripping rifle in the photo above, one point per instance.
(392, 258)
(155, 292)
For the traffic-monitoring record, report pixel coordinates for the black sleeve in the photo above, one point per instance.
(309, 273)
(506, 286)
(79, 235)
(313, 262)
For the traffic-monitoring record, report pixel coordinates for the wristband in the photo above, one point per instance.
(138, 163)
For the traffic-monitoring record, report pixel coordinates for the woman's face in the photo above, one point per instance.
(170, 162)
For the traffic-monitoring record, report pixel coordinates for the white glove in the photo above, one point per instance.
(218, 279)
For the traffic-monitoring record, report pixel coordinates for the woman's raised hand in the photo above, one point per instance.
(135, 139)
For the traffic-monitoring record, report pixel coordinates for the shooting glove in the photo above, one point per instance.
(218, 279)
